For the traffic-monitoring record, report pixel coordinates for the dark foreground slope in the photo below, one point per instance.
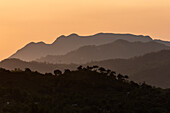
(153, 68)
(81, 91)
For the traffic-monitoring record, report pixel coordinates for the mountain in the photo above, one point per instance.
(65, 44)
(153, 68)
(12, 64)
(167, 43)
(117, 49)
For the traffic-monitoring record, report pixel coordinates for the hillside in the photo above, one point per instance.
(152, 68)
(86, 90)
(65, 44)
(118, 49)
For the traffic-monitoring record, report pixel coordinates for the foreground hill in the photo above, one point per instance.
(86, 90)
(118, 49)
(152, 68)
(65, 44)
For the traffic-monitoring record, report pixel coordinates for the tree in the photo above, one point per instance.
(57, 72)
(120, 77)
(80, 67)
(66, 71)
(108, 72)
(95, 66)
(48, 74)
(113, 74)
(89, 68)
(3, 70)
(28, 70)
(17, 70)
(102, 70)
(126, 77)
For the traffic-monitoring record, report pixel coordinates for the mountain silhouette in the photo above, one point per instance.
(167, 43)
(65, 44)
(13, 64)
(117, 49)
(152, 68)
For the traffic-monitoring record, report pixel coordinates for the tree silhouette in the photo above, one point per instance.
(28, 70)
(3, 70)
(120, 77)
(113, 74)
(126, 77)
(102, 70)
(95, 67)
(67, 71)
(89, 68)
(57, 72)
(108, 72)
(80, 67)
(48, 74)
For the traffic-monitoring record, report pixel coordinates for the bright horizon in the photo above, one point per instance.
(24, 21)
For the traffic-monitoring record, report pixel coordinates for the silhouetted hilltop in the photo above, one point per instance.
(65, 44)
(152, 68)
(85, 90)
(117, 49)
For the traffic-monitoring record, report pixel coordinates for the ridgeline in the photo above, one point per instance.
(85, 90)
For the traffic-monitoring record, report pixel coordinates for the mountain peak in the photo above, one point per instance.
(73, 35)
(39, 43)
(61, 37)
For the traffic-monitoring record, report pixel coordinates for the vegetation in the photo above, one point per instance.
(85, 90)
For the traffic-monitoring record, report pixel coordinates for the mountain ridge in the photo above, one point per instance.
(65, 44)
(117, 49)
(153, 68)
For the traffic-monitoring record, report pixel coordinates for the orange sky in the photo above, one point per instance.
(23, 21)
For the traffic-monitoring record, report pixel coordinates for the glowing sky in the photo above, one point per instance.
(23, 21)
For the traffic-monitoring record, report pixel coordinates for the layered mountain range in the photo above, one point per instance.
(117, 49)
(138, 56)
(64, 44)
(152, 68)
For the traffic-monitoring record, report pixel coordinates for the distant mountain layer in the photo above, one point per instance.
(12, 64)
(167, 43)
(65, 44)
(152, 68)
(117, 49)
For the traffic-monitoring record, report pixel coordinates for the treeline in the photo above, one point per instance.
(85, 90)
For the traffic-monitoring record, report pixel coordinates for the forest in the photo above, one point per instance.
(90, 89)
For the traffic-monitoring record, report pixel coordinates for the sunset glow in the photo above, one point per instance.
(24, 21)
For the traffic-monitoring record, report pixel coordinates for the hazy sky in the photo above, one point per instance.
(23, 21)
